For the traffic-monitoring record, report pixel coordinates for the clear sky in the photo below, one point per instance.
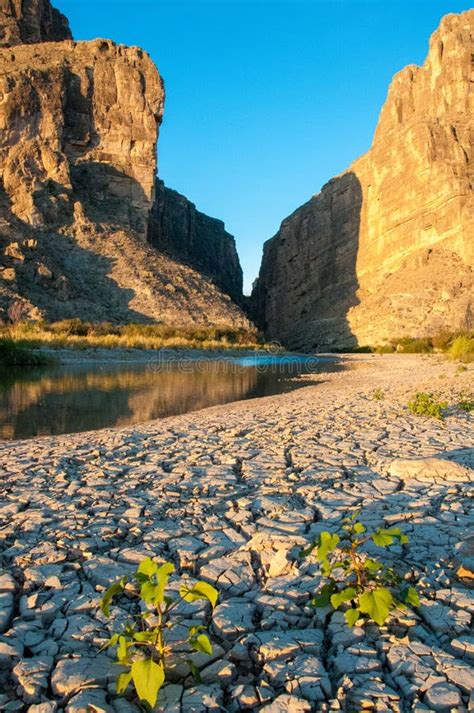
(266, 100)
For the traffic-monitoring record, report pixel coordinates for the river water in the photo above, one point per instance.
(68, 399)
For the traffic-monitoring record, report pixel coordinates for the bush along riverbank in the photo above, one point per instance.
(76, 334)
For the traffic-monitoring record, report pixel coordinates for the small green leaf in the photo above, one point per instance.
(193, 630)
(351, 616)
(152, 590)
(196, 674)
(110, 593)
(376, 604)
(404, 539)
(148, 677)
(202, 643)
(410, 596)
(323, 598)
(359, 528)
(123, 680)
(122, 649)
(382, 538)
(346, 595)
(143, 635)
(147, 567)
(327, 543)
(372, 565)
(326, 567)
(201, 590)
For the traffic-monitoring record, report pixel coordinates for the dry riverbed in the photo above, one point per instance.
(229, 494)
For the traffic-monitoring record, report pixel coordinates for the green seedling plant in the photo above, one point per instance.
(466, 402)
(365, 588)
(142, 644)
(425, 404)
(378, 394)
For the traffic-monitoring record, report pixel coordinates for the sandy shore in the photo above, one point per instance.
(230, 494)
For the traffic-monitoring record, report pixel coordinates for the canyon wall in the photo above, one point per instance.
(387, 248)
(31, 21)
(177, 228)
(78, 133)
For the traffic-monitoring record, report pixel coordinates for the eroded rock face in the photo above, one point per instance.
(178, 228)
(387, 249)
(31, 21)
(79, 126)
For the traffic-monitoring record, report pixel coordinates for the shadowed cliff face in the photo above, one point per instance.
(304, 300)
(413, 253)
(179, 229)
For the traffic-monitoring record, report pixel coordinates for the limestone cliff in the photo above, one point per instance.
(78, 132)
(179, 229)
(387, 248)
(31, 21)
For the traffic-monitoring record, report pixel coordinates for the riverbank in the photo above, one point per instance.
(230, 494)
(119, 355)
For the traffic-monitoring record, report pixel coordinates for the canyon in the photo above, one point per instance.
(386, 249)
(81, 208)
(88, 230)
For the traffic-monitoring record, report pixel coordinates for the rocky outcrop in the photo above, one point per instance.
(177, 228)
(386, 249)
(78, 133)
(31, 21)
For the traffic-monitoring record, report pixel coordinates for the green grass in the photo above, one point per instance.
(14, 354)
(77, 334)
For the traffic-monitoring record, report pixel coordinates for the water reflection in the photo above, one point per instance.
(80, 398)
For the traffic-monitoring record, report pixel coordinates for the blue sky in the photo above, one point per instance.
(266, 100)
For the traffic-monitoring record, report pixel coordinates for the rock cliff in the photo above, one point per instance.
(387, 248)
(31, 21)
(177, 228)
(78, 133)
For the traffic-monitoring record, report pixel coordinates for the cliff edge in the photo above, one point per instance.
(386, 249)
(79, 125)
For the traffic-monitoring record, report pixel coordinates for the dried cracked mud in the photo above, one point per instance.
(230, 494)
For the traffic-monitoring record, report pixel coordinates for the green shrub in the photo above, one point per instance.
(462, 348)
(413, 345)
(363, 587)
(384, 349)
(13, 354)
(425, 404)
(144, 645)
(442, 341)
(466, 403)
(378, 394)
(75, 327)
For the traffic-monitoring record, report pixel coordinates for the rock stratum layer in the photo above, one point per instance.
(387, 248)
(78, 133)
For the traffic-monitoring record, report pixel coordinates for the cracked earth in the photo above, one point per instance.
(230, 495)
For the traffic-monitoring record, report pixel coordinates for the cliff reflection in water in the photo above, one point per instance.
(71, 399)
